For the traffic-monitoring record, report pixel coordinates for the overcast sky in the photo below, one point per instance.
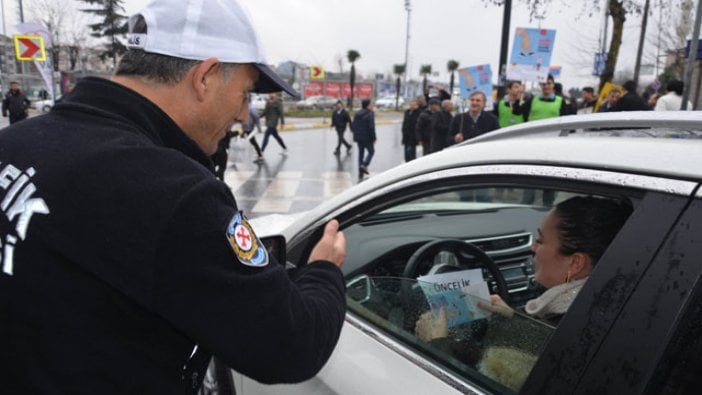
(320, 32)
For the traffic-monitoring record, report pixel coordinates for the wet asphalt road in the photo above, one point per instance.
(308, 174)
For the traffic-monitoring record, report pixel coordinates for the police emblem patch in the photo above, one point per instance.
(243, 240)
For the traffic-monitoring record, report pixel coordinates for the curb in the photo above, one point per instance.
(304, 126)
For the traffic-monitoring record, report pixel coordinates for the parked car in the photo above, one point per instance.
(633, 328)
(317, 103)
(43, 105)
(389, 102)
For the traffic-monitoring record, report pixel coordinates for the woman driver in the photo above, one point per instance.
(571, 239)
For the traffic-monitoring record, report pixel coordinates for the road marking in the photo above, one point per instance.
(280, 194)
(235, 179)
(336, 182)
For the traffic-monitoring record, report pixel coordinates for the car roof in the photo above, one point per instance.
(671, 149)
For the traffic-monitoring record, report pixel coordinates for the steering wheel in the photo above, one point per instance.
(459, 247)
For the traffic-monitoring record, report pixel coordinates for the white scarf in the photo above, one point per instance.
(555, 300)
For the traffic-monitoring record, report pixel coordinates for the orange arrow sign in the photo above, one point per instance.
(317, 72)
(30, 48)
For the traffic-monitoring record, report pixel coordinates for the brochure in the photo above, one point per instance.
(458, 293)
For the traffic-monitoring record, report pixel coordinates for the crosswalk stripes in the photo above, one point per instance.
(287, 191)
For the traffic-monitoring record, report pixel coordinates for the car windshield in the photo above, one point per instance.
(495, 348)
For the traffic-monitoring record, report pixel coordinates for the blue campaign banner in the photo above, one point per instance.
(476, 78)
(531, 54)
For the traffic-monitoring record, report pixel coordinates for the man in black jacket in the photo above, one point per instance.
(425, 122)
(339, 120)
(363, 128)
(15, 103)
(126, 264)
(409, 131)
(440, 127)
(630, 101)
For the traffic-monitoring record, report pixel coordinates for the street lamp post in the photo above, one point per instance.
(502, 72)
(409, 11)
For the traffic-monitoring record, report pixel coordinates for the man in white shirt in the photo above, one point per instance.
(672, 100)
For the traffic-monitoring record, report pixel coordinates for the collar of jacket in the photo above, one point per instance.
(108, 99)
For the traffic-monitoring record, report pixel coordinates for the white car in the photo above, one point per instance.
(633, 328)
(389, 102)
(43, 105)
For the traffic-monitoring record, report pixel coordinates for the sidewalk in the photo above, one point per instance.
(381, 118)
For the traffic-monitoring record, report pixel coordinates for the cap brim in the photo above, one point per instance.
(269, 81)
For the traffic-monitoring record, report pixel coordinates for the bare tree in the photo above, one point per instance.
(68, 28)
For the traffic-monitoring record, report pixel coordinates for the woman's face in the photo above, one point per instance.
(551, 266)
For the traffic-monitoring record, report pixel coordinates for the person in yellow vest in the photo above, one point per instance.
(503, 109)
(543, 106)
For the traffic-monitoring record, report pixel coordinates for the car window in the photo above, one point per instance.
(392, 251)
(495, 348)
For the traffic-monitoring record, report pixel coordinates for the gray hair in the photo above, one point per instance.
(481, 93)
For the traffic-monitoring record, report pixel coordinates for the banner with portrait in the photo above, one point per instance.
(476, 78)
(531, 54)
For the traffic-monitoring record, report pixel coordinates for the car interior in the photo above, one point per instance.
(395, 251)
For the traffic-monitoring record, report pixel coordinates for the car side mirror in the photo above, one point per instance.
(275, 245)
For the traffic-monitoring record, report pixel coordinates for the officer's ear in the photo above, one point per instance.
(204, 77)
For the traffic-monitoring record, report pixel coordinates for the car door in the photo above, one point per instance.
(372, 358)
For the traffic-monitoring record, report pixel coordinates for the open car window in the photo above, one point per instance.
(495, 348)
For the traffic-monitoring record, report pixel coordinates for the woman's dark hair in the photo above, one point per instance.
(365, 103)
(676, 86)
(588, 224)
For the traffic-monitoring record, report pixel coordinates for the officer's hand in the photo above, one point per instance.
(332, 246)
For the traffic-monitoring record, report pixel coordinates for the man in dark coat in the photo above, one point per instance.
(475, 121)
(363, 128)
(630, 101)
(409, 131)
(441, 126)
(16, 103)
(339, 120)
(424, 124)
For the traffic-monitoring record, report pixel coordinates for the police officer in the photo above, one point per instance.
(125, 263)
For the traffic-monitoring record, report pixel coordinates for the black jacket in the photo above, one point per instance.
(363, 126)
(630, 102)
(409, 127)
(128, 253)
(440, 131)
(16, 103)
(464, 124)
(423, 129)
(339, 120)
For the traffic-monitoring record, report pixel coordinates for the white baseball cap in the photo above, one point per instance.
(200, 29)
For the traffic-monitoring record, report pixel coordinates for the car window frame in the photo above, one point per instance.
(575, 347)
(597, 182)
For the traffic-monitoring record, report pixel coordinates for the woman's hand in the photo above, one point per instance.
(427, 328)
(496, 305)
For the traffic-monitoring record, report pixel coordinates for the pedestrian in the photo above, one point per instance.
(630, 100)
(363, 128)
(409, 131)
(126, 264)
(15, 103)
(339, 120)
(503, 109)
(588, 100)
(613, 97)
(571, 105)
(474, 122)
(273, 113)
(543, 106)
(249, 129)
(672, 100)
(423, 128)
(441, 127)
(220, 157)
